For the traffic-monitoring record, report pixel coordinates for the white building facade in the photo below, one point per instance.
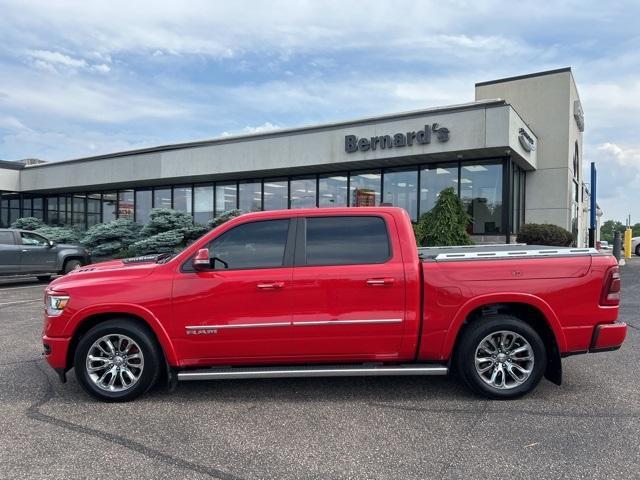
(512, 156)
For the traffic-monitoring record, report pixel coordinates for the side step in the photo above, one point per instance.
(312, 371)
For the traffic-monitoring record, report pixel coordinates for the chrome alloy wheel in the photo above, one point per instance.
(114, 363)
(504, 360)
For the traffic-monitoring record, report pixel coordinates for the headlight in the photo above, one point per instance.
(55, 304)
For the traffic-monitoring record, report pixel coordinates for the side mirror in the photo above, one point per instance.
(51, 244)
(201, 261)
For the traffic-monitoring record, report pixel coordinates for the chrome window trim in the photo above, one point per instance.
(346, 322)
(237, 325)
(296, 324)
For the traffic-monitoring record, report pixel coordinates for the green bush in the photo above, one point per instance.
(222, 218)
(28, 223)
(164, 220)
(162, 242)
(60, 234)
(545, 234)
(445, 224)
(109, 238)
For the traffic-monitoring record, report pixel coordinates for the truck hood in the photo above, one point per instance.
(114, 270)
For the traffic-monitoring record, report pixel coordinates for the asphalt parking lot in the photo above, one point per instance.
(390, 428)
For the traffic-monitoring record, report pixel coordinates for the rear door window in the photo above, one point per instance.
(346, 240)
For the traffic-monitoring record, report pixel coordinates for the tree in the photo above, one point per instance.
(28, 223)
(608, 228)
(109, 238)
(445, 224)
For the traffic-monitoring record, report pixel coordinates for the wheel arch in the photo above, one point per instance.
(94, 318)
(537, 314)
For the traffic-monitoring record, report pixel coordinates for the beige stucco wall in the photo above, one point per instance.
(546, 102)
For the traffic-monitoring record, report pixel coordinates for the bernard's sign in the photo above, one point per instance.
(398, 140)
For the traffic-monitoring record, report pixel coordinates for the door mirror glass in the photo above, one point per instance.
(201, 261)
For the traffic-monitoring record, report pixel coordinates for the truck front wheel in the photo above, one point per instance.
(117, 361)
(501, 357)
(70, 265)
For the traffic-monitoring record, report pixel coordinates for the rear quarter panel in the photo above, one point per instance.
(566, 290)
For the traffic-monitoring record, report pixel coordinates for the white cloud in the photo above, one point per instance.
(265, 127)
(56, 58)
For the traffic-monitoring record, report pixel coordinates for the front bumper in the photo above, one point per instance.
(608, 337)
(55, 351)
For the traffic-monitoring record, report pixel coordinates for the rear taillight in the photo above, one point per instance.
(611, 289)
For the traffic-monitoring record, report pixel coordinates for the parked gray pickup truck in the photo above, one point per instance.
(27, 253)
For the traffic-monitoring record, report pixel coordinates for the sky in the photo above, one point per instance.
(81, 78)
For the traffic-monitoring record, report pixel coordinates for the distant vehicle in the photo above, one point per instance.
(604, 246)
(23, 252)
(331, 292)
(635, 245)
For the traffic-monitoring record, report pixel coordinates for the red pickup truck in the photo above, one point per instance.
(331, 292)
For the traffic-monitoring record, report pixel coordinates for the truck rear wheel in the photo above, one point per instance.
(117, 361)
(501, 357)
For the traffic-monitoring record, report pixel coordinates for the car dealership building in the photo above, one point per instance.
(512, 155)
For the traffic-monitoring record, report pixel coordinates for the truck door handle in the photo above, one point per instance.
(380, 282)
(270, 285)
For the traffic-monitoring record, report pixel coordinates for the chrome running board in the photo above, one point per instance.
(312, 371)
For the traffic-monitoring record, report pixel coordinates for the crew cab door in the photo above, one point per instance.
(10, 253)
(37, 254)
(241, 308)
(349, 288)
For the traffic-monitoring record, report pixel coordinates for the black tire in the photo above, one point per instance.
(70, 265)
(638, 250)
(44, 278)
(150, 350)
(473, 335)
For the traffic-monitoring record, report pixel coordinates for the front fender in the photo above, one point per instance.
(144, 314)
(493, 298)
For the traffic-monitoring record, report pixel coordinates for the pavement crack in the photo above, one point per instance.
(33, 412)
(507, 412)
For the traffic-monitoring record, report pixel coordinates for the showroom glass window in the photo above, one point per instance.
(109, 205)
(182, 199)
(79, 211)
(143, 206)
(26, 206)
(276, 195)
(38, 208)
(481, 194)
(250, 196)
(226, 197)
(93, 209)
(303, 193)
(333, 190)
(434, 179)
(52, 211)
(162, 197)
(401, 190)
(365, 188)
(202, 203)
(125, 204)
